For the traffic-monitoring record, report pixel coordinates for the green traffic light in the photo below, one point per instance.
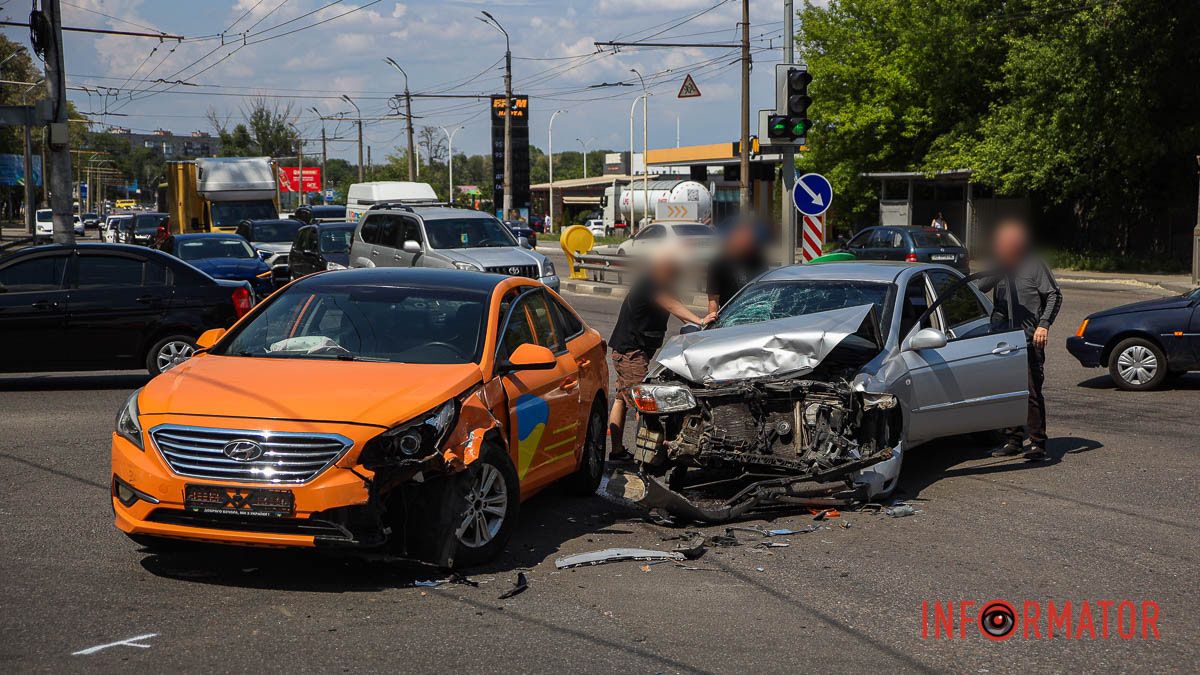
(799, 128)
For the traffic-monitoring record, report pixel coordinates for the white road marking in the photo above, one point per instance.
(130, 642)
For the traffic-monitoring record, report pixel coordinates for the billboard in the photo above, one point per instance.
(520, 151)
(12, 170)
(289, 178)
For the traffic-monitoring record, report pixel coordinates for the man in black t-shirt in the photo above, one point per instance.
(740, 261)
(639, 332)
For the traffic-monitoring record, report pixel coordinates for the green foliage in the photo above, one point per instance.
(265, 131)
(1107, 261)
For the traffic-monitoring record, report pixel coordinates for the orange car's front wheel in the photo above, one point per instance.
(482, 503)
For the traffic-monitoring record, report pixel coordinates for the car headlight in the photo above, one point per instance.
(334, 266)
(878, 401)
(415, 438)
(467, 266)
(662, 398)
(128, 426)
(262, 254)
(548, 269)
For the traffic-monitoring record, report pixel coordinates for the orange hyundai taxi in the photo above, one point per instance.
(407, 409)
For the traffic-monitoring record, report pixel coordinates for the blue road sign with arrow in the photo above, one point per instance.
(812, 194)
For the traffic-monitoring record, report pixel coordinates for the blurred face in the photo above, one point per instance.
(1010, 243)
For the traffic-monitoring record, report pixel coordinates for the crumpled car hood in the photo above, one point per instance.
(789, 346)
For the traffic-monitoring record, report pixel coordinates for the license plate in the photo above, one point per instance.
(943, 256)
(239, 501)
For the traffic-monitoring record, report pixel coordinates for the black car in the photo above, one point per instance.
(1144, 343)
(520, 229)
(319, 247)
(910, 244)
(328, 213)
(147, 229)
(107, 306)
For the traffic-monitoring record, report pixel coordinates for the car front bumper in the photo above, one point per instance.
(331, 509)
(1088, 354)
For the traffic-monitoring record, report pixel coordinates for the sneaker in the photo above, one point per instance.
(1007, 450)
(1037, 455)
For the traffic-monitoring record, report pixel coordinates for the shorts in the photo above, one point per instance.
(631, 369)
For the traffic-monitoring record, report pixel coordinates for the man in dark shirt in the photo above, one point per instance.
(740, 261)
(639, 332)
(1036, 300)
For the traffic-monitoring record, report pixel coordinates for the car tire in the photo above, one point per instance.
(169, 352)
(1137, 364)
(468, 532)
(586, 478)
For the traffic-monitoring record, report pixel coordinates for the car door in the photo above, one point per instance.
(891, 244)
(543, 404)
(33, 302)
(588, 350)
(363, 243)
(978, 380)
(302, 259)
(408, 228)
(116, 302)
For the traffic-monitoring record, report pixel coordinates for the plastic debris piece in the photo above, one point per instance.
(615, 555)
(760, 569)
(521, 585)
(900, 511)
(825, 514)
(845, 524)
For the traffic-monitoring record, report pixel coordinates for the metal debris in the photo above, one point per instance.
(521, 585)
(615, 555)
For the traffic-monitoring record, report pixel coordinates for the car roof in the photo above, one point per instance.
(883, 271)
(443, 212)
(274, 221)
(93, 246)
(349, 224)
(421, 277)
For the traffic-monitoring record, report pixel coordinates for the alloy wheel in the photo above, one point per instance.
(487, 504)
(173, 353)
(1137, 365)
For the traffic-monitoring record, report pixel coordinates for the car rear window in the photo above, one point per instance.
(928, 238)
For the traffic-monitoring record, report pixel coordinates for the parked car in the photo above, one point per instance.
(910, 244)
(91, 219)
(43, 222)
(222, 256)
(148, 229)
(1144, 343)
(107, 306)
(445, 237)
(537, 224)
(520, 229)
(319, 247)
(271, 239)
(382, 430)
(109, 229)
(124, 231)
(328, 213)
(700, 237)
(823, 373)
(597, 228)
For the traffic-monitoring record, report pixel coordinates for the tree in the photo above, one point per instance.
(264, 132)
(434, 142)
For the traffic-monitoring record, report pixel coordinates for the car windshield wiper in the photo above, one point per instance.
(356, 357)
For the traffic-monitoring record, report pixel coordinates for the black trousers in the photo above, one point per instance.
(1035, 423)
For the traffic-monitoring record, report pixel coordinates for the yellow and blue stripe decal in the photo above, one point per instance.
(533, 414)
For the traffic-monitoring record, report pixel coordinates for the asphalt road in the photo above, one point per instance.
(1112, 517)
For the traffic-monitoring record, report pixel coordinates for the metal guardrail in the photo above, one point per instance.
(15, 243)
(622, 269)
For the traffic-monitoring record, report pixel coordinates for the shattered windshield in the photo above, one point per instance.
(363, 323)
(781, 299)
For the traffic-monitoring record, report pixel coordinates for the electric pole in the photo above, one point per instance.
(60, 154)
(508, 105)
(323, 153)
(360, 145)
(30, 206)
(744, 179)
(412, 157)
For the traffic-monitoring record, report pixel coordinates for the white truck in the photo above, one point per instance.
(362, 196)
(627, 203)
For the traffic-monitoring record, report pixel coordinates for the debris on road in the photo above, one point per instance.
(615, 555)
(520, 586)
(900, 511)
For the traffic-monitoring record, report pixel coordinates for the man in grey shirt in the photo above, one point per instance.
(1036, 300)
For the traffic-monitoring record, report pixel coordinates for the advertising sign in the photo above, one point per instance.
(289, 178)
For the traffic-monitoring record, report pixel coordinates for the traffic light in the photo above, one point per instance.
(790, 123)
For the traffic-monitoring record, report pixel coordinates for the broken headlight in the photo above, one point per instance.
(662, 398)
(878, 401)
(128, 426)
(415, 438)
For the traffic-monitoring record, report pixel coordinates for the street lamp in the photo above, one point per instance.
(360, 146)
(322, 118)
(585, 144)
(632, 108)
(645, 145)
(508, 167)
(412, 166)
(299, 165)
(450, 151)
(550, 158)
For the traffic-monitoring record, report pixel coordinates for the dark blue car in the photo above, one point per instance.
(1143, 343)
(222, 256)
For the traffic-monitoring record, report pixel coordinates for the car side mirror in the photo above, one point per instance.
(524, 243)
(280, 274)
(412, 246)
(926, 338)
(689, 328)
(531, 357)
(209, 338)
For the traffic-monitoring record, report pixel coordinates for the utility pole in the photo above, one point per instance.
(360, 145)
(412, 158)
(370, 164)
(744, 179)
(508, 101)
(323, 153)
(450, 161)
(30, 207)
(550, 160)
(645, 146)
(787, 171)
(56, 84)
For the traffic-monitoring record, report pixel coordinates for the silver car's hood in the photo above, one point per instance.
(780, 347)
(495, 256)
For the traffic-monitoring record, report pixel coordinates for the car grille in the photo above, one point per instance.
(286, 457)
(530, 271)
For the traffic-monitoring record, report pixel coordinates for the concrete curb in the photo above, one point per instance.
(1083, 280)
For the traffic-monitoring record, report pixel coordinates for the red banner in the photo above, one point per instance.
(289, 177)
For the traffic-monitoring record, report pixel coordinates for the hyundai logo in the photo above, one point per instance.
(242, 450)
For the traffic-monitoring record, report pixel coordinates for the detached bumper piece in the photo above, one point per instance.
(351, 526)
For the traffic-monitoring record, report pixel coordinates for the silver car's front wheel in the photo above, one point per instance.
(487, 506)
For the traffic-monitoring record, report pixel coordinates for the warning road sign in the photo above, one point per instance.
(689, 88)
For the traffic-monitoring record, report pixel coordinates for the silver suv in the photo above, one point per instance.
(445, 237)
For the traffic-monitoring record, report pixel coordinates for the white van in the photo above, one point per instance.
(362, 196)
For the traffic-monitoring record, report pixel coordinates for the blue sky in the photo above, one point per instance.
(440, 44)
